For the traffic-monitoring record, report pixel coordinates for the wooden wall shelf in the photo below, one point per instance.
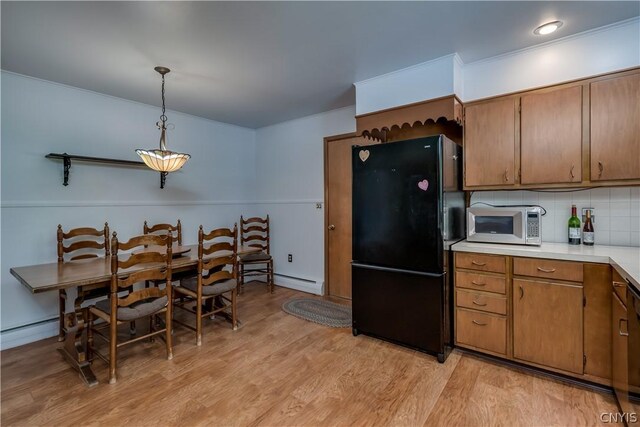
(66, 158)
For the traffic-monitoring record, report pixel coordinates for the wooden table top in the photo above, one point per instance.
(57, 275)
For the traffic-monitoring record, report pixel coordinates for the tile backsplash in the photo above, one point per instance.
(616, 211)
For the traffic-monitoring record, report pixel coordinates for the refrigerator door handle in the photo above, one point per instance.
(395, 270)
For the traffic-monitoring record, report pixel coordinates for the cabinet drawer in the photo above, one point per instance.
(481, 330)
(481, 301)
(481, 262)
(481, 282)
(548, 268)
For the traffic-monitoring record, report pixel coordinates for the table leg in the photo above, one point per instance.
(75, 344)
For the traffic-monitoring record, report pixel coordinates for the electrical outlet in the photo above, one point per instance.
(593, 215)
(290, 258)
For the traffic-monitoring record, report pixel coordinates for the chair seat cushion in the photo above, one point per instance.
(136, 310)
(255, 257)
(215, 289)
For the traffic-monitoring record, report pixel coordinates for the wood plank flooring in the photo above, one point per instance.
(278, 370)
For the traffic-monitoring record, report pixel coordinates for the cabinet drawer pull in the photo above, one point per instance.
(545, 270)
(521, 292)
(478, 323)
(572, 175)
(478, 304)
(473, 282)
(619, 285)
(623, 334)
(600, 169)
(506, 176)
(479, 264)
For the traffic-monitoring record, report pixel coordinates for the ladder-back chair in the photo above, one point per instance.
(77, 244)
(215, 282)
(254, 232)
(126, 304)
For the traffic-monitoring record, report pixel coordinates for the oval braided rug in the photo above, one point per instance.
(319, 311)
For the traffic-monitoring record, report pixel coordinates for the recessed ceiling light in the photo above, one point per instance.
(547, 28)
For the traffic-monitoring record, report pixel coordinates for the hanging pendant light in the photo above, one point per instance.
(163, 160)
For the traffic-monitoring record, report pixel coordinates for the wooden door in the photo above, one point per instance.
(548, 325)
(338, 213)
(615, 128)
(551, 136)
(489, 143)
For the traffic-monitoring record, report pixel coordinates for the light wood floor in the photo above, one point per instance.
(279, 370)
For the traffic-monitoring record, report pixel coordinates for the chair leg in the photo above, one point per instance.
(113, 350)
(241, 283)
(270, 275)
(89, 335)
(234, 313)
(132, 328)
(62, 300)
(198, 322)
(151, 319)
(169, 324)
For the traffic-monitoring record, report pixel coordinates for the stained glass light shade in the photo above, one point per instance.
(163, 160)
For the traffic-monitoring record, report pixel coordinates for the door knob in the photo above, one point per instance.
(332, 227)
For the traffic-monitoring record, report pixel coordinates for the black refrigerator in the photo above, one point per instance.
(408, 208)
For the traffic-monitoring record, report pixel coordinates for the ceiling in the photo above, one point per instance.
(258, 63)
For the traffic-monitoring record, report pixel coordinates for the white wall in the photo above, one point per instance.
(39, 117)
(617, 211)
(290, 171)
(603, 50)
(428, 80)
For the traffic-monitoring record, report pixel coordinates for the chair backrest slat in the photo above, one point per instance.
(174, 230)
(254, 232)
(151, 251)
(212, 269)
(82, 243)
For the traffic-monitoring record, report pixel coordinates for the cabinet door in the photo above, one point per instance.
(615, 128)
(619, 348)
(551, 136)
(489, 143)
(548, 325)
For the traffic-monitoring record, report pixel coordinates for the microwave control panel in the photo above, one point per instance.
(533, 227)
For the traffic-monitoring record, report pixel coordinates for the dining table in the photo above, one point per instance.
(91, 277)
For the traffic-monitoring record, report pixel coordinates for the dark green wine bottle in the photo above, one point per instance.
(574, 227)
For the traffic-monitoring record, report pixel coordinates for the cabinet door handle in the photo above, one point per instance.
(473, 282)
(545, 270)
(506, 176)
(479, 264)
(623, 334)
(478, 323)
(478, 304)
(572, 175)
(332, 227)
(619, 284)
(521, 292)
(600, 169)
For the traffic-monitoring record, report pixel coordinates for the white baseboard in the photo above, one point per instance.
(309, 286)
(29, 333)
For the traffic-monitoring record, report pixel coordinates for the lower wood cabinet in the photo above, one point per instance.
(548, 324)
(550, 314)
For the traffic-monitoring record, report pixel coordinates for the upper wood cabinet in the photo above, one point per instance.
(548, 324)
(579, 134)
(489, 143)
(551, 136)
(615, 128)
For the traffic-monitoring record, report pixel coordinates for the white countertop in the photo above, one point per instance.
(626, 260)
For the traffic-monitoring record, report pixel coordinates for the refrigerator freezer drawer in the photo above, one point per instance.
(400, 306)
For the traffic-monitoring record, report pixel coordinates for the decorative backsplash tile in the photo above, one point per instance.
(617, 211)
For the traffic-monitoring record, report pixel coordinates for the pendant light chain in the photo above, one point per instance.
(163, 117)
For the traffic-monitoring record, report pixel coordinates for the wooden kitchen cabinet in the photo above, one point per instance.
(548, 324)
(551, 136)
(615, 128)
(489, 143)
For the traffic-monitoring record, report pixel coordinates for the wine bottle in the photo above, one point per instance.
(588, 237)
(574, 227)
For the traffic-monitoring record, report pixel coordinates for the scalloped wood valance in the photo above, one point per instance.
(375, 125)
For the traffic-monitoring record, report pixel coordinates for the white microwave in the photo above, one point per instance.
(505, 224)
